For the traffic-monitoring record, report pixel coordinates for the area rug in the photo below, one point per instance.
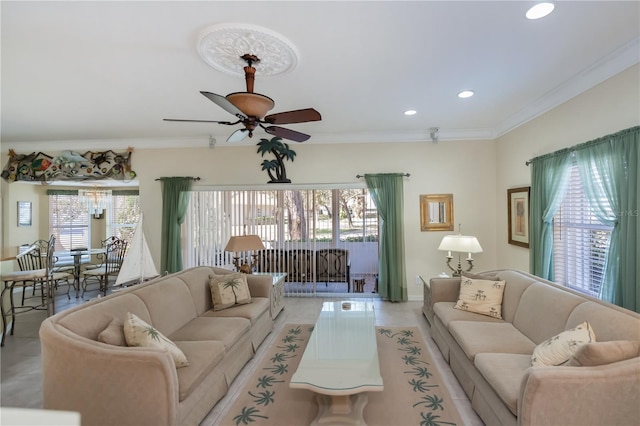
(414, 393)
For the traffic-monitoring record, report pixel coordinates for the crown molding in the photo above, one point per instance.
(114, 144)
(617, 61)
(205, 141)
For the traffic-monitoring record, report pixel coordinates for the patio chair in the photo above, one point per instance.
(333, 265)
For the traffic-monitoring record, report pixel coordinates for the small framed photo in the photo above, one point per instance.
(24, 213)
(518, 214)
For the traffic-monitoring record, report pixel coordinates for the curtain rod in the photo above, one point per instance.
(186, 177)
(404, 174)
(587, 144)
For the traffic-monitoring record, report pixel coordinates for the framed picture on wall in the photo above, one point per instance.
(24, 213)
(518, 214)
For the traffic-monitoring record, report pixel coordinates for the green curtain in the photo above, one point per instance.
(609, 174)
(175, 198)
(549, 180)
(387, 192)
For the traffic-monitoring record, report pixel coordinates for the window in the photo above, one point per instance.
(123, 214)
(581, 241)
(70, 221)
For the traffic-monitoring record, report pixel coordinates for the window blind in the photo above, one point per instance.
(296, 219)
(68, 222)
(581, 241)
(123, 214)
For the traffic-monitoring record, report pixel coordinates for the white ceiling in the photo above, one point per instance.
(105, 74)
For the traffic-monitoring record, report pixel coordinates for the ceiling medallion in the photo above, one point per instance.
(222, 45)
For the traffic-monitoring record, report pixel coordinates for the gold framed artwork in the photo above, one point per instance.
(436, 212)
(518, 215)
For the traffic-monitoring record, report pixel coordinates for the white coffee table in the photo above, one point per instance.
(340, 363)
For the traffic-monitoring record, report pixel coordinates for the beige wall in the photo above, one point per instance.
(607, 108)
(465, 169)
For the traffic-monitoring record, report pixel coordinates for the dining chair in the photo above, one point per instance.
(103, 244)
(111, 262)
(43, 277)
(40, 256)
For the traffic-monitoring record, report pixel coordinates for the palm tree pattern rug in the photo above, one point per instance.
(414, 393)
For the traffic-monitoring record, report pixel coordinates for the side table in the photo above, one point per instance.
(277, 294)
(427, 307)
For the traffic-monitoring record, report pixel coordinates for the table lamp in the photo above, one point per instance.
(460, 244)
(244, 243)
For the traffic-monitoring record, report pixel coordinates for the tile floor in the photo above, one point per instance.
(21, 371)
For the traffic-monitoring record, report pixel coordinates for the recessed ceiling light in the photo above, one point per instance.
(410, 112)
(465, 94)
(540, 10)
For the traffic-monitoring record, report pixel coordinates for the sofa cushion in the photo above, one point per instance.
(517, 283)
(600, 353)
(251, 311)
(609, 322)
(543, 311)
(169, 303)
(445, 312)
(558, 349)
(481, 296)
(229, 290)
(504, 373)
(139, 333)
(96, 315)
(478, 337)
(113, 334)
(226, 330)
(203, 357)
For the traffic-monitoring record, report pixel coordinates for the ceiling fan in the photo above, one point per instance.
(250, 108)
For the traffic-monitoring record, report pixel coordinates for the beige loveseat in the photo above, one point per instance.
(491, 357)
(120, 385)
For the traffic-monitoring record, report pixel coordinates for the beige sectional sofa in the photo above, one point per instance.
(119, 385)
(491, 358)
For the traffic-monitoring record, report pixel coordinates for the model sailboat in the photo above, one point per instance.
(137, 265)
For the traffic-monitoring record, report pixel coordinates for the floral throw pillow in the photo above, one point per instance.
(229, 290)
(138, 333)
(561, 347)
(481, 296)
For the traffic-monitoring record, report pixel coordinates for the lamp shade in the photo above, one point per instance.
(460, 243)
(244, 243)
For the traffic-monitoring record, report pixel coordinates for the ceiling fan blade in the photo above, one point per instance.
(238, 136)
(287, 133)
(200, 121)
(297, 116)
(224, 103)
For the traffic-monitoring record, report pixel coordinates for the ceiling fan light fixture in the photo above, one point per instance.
(252, 104)
(465, 94)
(540, 10)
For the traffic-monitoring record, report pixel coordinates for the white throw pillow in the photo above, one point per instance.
(229, 290)
(138, 333)
(560, 348)
(481, 296)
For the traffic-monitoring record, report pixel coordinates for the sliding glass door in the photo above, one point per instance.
(323, 238)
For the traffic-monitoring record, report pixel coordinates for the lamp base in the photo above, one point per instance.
(245, 267)
(458, 272)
